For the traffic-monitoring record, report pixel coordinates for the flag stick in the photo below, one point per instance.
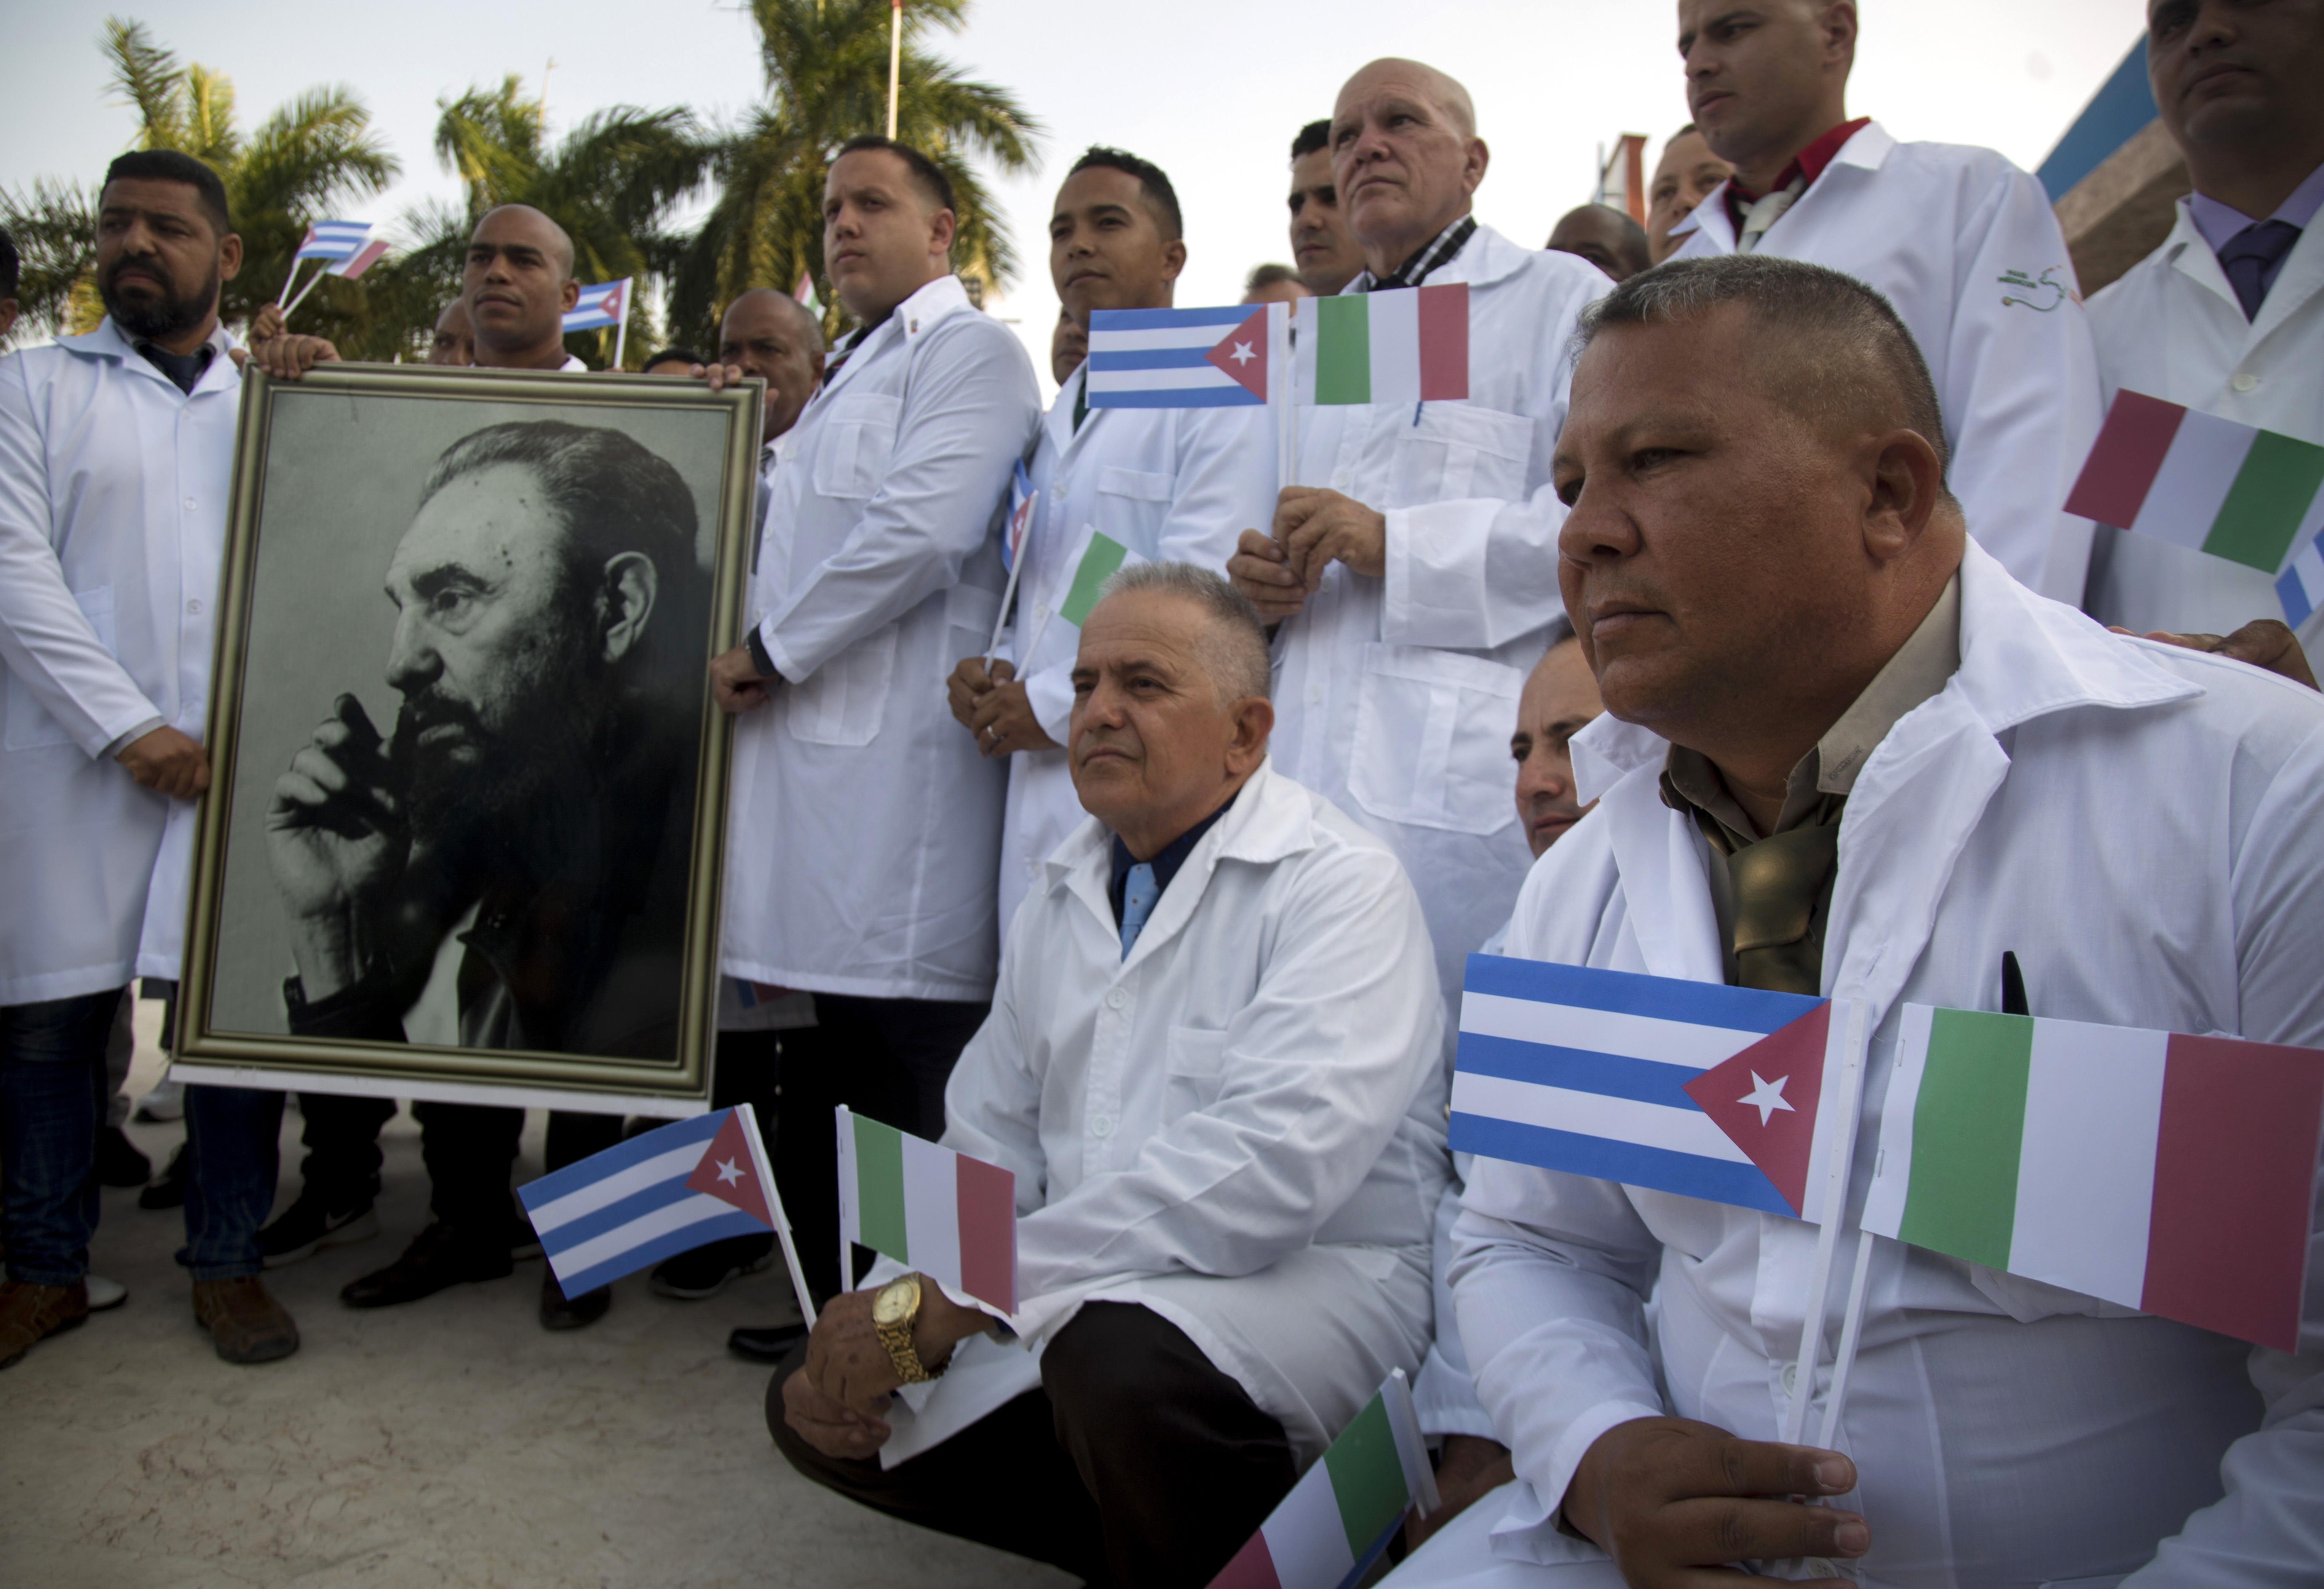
(621, 328)
(842, 1120)
(303, 291)
(895, 62)
(1838, 1155)
(1286, 427)
(1000, 620)
(782, 1223)
(279, 297)
(1852, 1329)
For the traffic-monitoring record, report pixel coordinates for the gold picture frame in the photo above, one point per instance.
(331, 499)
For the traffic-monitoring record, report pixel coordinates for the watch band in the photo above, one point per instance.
(896, 1339)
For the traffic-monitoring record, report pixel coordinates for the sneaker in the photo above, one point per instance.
(701, 1274)
(29, 1314)
(167, 1189)
(118, 1162)
(309, 1226)
(104, 1294)
(166, 1102)
(246, 1323)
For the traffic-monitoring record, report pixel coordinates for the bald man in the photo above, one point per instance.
(454, 344)
(1603, 235)
(518, 283)
(771, 335)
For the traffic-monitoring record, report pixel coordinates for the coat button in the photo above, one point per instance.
(194, 608)
(1315, 694)
(1815, 1566)
(1790, 1378)
(2244, 381)
(189, 502)
(1115, 998)
(1102, 1125)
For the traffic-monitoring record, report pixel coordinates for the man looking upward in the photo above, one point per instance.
(1327, 256)
(1961, 241)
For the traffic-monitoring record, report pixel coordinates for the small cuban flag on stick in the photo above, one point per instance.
(660, 1193)
(1341, 1515)
(337, 241)
(952, 1217)
(607, 303)
(1023, 498)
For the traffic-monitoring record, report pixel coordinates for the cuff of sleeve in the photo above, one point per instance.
(1565, 1456)
(1050, 693)
(122, 742)
(1445, 1399)
(759, 657)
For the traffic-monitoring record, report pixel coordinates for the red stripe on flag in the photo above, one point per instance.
(1444, 343)
(987, 1231)
(2235, 1167)
(1252, 1569)
(2124, 459)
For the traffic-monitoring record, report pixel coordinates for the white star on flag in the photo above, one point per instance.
(730, 1173)
(1242, 354)
(1766, 1096)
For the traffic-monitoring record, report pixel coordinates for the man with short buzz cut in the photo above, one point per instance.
(1166, 484)
(1961, 241)
(1328, 256)
(1068, 346)
(1687, 173)
(1273, 284)
(110, 544)
(1213, 1067)
(1603, 235)
(454, 341)
(1755, 455)
(865, 846)
(770, 336)
(2227, 315)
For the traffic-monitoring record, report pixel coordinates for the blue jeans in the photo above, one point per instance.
(231, 1143)
(52, 1089)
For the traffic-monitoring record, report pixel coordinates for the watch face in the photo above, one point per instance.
(892, 1304)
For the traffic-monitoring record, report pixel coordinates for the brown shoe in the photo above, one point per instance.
(29, 1314)
(248, 1325)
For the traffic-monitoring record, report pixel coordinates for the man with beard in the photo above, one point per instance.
(116, 452)
(506, 867)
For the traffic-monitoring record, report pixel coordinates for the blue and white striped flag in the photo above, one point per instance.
(333, 240)
(658, 1194)
(1217, 358)
(2301, 586)
(603, 304)
(1651, 1081)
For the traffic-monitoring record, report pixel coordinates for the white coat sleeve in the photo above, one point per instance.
(1471, 573)
(1224, 485)
(2268, 1527)
(45, 639)
(2021, 390)
(993, 1102)
(1445, 1395)
(971, 407)
(1317, 1075)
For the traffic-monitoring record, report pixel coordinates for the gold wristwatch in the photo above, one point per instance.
(894, 1311)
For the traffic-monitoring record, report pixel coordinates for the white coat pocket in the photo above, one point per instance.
(1134, 483)
(30, 724)
(1460, 450)
(851, 459)
(970, 613)
(845, 701)
(1432, 739)
(1193, 1064)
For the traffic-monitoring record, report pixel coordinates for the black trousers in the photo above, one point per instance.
(1138, 1464)
(886, 1058)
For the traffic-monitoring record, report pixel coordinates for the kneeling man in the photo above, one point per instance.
(1844, 752)
(1214, 1064)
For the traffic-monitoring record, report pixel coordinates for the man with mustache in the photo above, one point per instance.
(117, 448)
(1959, 240)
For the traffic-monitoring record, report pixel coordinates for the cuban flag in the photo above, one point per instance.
(658, 1194)
(604, 304)
(1691, 1087)
(1220, 358)
(1021, 498)
(334, 240)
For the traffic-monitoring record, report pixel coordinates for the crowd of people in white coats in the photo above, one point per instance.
(1744, 567)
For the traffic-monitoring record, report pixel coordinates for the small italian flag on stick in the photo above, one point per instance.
(1406, 345)
(2233, 490)
(952, 1217)
(2168, 1173)
(1340, 1515)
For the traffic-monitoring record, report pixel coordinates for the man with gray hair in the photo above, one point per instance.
(1213, 1065)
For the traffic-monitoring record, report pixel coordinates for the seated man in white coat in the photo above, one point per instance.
(1213, 1064)
(1803, 655)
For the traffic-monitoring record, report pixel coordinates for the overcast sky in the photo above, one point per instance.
(1213, 90)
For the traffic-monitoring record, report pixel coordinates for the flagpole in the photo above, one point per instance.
(895, 61)
(296, 261)
(1851, 1330)
(782, 1226)
(1016, 567)
(1839, 1154)
(1287, 429)
(621, 327)
(303, 291)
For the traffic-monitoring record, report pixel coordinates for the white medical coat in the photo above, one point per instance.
(2171, 328)
(1393, 696)
(113, 507)
(1239, 1126)
(1960, 242)
(864, 829)
(1172, 485)
(2144, 826)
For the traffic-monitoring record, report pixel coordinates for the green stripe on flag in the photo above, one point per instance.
(2271, 493)
(1098, 564)
(1367, 1477)
(1969, 1131)
(880, 1189)
(1343, 354)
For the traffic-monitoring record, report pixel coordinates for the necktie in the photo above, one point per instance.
(1777, 883)
(1138, 893)
(2250, 258)
(1764, 213)
(1081, 404)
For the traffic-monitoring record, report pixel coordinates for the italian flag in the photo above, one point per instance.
(1406, 345)
(1100, 560)
(2233, 490)
(1340, 1515)
(950, 1217)
(2168, 1173)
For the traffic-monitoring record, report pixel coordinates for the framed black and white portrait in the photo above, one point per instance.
(463, 837)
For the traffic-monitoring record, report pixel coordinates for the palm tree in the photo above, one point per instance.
(317, 153)
(825, 65)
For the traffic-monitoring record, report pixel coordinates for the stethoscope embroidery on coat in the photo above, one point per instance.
(2057, 290)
